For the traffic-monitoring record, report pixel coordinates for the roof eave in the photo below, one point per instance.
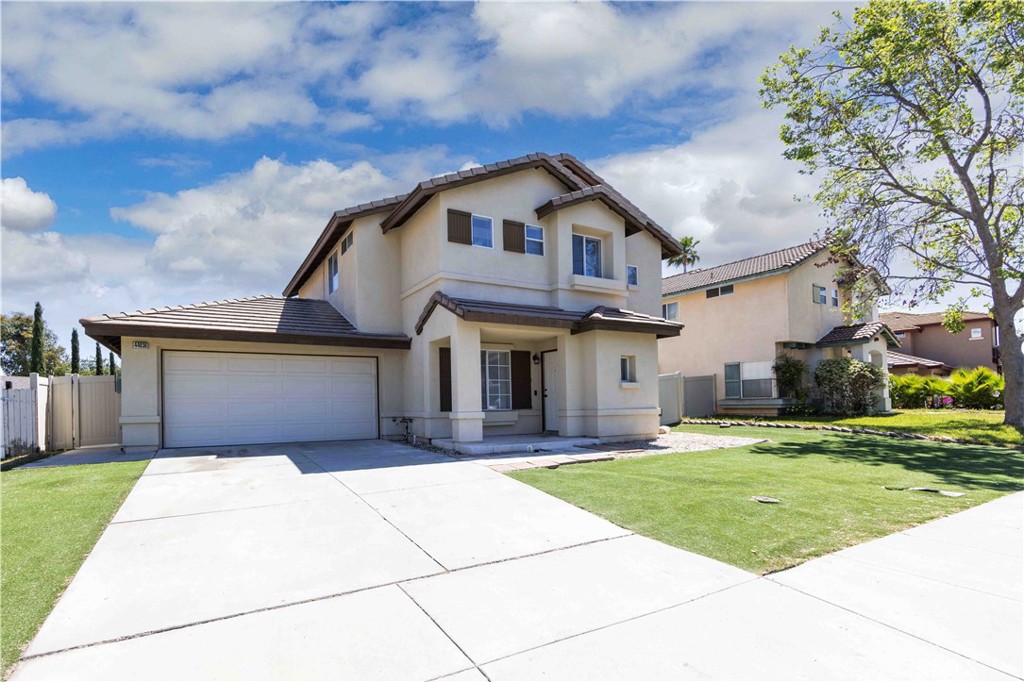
(110, 329)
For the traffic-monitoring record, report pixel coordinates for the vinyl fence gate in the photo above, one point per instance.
(61, 413)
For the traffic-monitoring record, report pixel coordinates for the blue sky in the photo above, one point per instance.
(170, 153)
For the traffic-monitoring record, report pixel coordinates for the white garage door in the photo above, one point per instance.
(238, 398)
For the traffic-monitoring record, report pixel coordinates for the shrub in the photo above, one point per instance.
(978, 389)
(846, 386)
(789, 376)
(911, 391)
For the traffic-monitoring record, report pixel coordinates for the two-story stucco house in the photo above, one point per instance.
(740, 316)
(521, 297)
(930, 348)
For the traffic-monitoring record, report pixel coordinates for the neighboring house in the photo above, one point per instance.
(923, 335)
(520, 297)
(740, 316)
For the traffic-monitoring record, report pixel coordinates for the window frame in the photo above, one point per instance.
(333, 273)
(486, 380)
(980, 336)
(527, 239)
(472, 231)
(715, 292)
(665, 307)
(346, 243)
(584, 238)
(819, 294)
(632, 275)
(627, 369)
(738, 381)
(835, 298)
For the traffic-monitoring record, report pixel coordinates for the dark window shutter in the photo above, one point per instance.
(515, 236)
(444, 375)
(522, 389)
(460, 227)
(577, 254)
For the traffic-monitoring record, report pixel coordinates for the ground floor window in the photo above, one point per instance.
(627, 368)
(732, 380)
(496, 379)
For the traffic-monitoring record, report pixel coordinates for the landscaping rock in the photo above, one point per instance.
(764, 499)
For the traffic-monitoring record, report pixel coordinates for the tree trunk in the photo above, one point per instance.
(1012, 358)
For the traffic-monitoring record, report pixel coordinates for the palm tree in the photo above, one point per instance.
(689, 253)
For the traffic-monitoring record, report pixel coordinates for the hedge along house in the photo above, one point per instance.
(786, 301)
(521, 297)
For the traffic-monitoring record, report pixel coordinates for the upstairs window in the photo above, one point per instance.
(483, 231)
(632, 275)
(819, 294)
(332, 273)
(586, 255)
(976, 334)
(718, 291)
(346, 243)
(535, 240)
(670, 311)
(835, 298)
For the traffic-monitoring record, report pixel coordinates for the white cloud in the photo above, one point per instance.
(213, 70)
(23, 209)
(728, 186)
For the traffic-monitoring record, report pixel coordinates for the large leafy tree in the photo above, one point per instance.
(913, 115)
(16, 347)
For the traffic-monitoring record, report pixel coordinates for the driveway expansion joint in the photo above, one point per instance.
(894, 628)
(445, 633)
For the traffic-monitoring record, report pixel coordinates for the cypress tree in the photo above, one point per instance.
(75, 360)
(99, 360)
(36, 356)
(111, 365)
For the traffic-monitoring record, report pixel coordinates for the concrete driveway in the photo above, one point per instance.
(372, 560)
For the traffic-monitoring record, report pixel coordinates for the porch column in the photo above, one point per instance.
(466, 415)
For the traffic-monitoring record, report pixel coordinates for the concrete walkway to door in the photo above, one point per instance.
(372, 560)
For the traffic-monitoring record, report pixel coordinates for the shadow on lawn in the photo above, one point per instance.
(962, 465)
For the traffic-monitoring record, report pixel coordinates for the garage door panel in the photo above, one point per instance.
(192, 362)
(353, 366)
(307, 409)
(232, 398)
(253, 364)
(303, 387)
(248, 386)
(302, 365)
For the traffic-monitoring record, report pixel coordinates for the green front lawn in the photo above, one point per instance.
(49, 521)
(982, 426)
(830, 484)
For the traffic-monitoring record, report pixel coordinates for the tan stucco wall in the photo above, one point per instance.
(741, 327)
(809, 321)
(141, 380)
(956, 350)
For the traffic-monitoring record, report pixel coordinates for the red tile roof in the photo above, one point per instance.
(755, 266)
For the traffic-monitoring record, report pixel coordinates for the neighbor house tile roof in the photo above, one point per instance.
(755, 266)
(901, 321)
(853, 334)
(903, 360)
(268, 319)
(601, 317)
(575, 175)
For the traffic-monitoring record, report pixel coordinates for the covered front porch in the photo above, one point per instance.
(530, 373)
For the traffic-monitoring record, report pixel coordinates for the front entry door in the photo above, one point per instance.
(550, 370)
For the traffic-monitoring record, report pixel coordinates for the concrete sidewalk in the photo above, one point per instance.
(373, 560)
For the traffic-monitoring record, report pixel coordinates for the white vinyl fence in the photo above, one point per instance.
(60, 413)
